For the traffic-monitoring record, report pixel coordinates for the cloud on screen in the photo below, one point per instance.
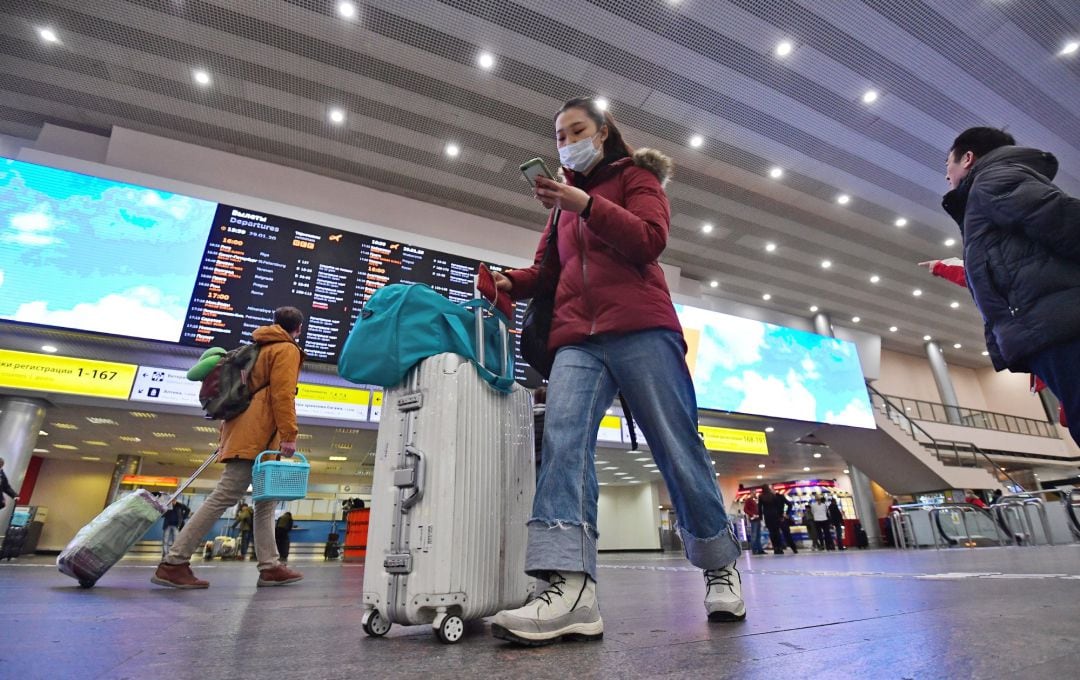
(140, 312)
(787, 398)
(857, 413)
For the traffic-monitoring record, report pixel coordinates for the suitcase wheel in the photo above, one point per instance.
(86, 583)
(448, 628)
(374, 624)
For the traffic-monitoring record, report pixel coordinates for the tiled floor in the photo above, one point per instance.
(986, 613)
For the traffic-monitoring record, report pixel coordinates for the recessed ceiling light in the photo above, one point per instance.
(65, 426)
(893, 329)
(611, 468)
(128, 438)
(760, 476)
(1070, 47)
(201, 77)
(957, 345)
(339, 458)
(452, 150)
(696, 141)
(917, 292)
(825, 264)
(143, 414)
(770, 429)
(856, 319)
(41, 450)
(985, 353)
(90, 458)
(337, 116)
(806, 469)
(95, 420)
(817, 455)
(49, 35)
(901, 222)
(652, 465)
(846, 471)
(485, 60)
(706, 228)
(950, 242)
(601, 103)
(182, 449)
(51, 349)
(66, 447)
(207, 429)
(813, 308)
(954, 304)
(642, 460)
(601, 462)
(164, 435)
(346, 9)
(95, 442)
(766, 297)
(770, 247)
(776, 173)
(714, 283)
(927, 338)
(870, 96)
(43, 433)
(621, 474)
(783, 48)
(843, 199)
(761, 466)
(875, 278)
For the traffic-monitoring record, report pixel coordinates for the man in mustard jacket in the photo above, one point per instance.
(268, 423)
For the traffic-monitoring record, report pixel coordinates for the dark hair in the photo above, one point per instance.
(980, 141)
(615, 147)
(289, 318)
(540, 395)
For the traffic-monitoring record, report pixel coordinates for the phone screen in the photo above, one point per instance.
(533, 169)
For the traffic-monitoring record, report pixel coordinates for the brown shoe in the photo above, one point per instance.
(177, 576)
(278, 576)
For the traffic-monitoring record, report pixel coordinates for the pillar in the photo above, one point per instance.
(863, 497)
(944, 382)
(125, 465)
(20, 421)
(823, 325)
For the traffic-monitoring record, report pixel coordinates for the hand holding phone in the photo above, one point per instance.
(535, 168)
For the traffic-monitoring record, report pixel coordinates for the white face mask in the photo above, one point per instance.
(580, 155)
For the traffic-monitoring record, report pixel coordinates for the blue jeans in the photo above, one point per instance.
(649, 368)
(755, 536)
(1059, 367)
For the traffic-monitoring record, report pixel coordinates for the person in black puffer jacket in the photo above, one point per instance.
(1021, 238)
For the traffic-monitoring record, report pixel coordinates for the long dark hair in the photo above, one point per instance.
(615, 147)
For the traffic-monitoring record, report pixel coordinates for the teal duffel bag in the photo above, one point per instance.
(403, 324)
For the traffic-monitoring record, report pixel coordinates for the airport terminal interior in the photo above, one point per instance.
(173, 171)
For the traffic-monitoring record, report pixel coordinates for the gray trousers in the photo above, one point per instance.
(230, 488)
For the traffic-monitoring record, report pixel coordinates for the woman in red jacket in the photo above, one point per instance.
(614, 330)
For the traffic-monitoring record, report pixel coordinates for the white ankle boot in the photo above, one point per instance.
(723, 594)
(565, 610)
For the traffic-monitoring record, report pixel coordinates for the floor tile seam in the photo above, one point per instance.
(926, 576)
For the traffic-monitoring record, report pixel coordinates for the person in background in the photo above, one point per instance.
(996, 498)
(614, 329)
(821, 521)
(972, 498)
(268, 423)
(836, 519)
(243, 523)
(1021, 237)
(281, 535)
(172, 522)
(753, 515)
(5, 488)
(774, 509)
(811, 529)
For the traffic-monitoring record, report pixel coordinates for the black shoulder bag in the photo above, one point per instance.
(536, 324)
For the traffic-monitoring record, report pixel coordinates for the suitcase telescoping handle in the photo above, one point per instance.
(180, 489)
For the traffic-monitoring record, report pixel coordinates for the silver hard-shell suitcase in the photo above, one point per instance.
(453, 487)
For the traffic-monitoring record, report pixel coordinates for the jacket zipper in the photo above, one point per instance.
(585, 275)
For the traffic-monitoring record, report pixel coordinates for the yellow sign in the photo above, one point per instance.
(48, 373)
(149, 480)
(734, 441)
(330, 393)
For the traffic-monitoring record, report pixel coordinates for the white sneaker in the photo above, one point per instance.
(565, 610)
(723, 594)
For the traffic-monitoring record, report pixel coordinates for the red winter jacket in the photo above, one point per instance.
(610, 281)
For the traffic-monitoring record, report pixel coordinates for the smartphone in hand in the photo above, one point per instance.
(535, 168)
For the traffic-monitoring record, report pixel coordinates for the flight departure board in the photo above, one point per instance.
(255, 262)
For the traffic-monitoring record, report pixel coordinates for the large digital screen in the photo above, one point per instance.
(747, 366)
(92, 254)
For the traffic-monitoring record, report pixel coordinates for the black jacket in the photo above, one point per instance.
(5, 488)
(774, 507)
(836, 515)
(1021, 252)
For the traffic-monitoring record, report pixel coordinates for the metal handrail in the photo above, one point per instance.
(977, 418)
(916, 431)
(1020, 506)
(964, 509)
(1071, 507)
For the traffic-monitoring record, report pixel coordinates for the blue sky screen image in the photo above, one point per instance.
(92, 254)
(746, 366)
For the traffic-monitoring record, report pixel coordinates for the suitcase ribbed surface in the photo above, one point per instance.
(467, 536)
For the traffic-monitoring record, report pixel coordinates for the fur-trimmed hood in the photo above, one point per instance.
(655, 162)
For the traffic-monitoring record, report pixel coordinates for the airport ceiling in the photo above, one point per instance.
(854, 98)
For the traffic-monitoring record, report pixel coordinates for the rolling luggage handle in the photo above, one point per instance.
(504, 380)
(413, 477)
(183, 487)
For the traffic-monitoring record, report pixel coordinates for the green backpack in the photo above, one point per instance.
(225, 391)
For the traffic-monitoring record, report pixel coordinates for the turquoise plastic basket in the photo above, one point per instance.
(279, 480)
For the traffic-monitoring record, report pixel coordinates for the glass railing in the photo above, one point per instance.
(917, 409)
